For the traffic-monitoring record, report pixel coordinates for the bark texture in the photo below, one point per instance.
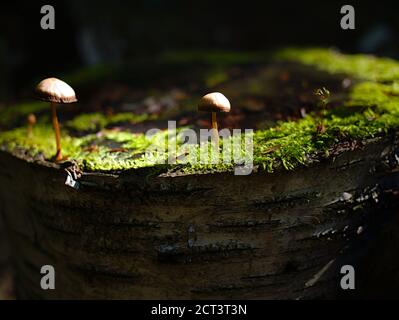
(133, 236)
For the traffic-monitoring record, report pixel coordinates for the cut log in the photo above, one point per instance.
(278, 236)
(317, 200)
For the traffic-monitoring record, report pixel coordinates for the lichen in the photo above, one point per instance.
(371, 109)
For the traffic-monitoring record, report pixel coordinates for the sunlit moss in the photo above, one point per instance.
(372, 109)
(41, 141)
(361, 66)
(88, 122)
(215, 77)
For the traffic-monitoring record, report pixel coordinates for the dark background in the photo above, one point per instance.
(90, 32)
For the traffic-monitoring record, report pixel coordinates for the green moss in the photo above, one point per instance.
(103, 158)
(359, 65)
(372, 109)
(373, 94)
(215, 77)
(98, 121)
(298, 141)
(88, 122)
(41, 141)
(129, 117)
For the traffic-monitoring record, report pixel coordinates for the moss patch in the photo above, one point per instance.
(361, 66)
(371, 109)
(98, 121)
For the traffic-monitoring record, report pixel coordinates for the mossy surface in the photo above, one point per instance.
(97, 121)
(361, 66)
(370, 108)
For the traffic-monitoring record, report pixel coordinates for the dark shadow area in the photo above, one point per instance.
(101, 32)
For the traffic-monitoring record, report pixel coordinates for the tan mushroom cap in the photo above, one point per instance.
(55, 90)
(31, 118)
(214, 102)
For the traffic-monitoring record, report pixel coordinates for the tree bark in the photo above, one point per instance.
(132, 236)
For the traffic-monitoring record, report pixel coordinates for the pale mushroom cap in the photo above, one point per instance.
(214, 102)
(55, 90)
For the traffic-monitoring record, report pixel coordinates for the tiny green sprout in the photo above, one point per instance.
(323, 95)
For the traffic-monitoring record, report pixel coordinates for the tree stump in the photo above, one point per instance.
(130, 234)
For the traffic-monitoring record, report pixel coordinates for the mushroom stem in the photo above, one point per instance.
(58, 155)
(29, 130)
(31, 120)
(215, 131)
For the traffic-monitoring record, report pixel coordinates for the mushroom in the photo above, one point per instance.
(55, 91)
(31, 120)
(214, 102)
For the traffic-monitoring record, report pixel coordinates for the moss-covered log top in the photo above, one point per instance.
(274, 94)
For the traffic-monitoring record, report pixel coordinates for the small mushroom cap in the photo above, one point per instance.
(214, 102)
(31, 118)
(55, 90)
